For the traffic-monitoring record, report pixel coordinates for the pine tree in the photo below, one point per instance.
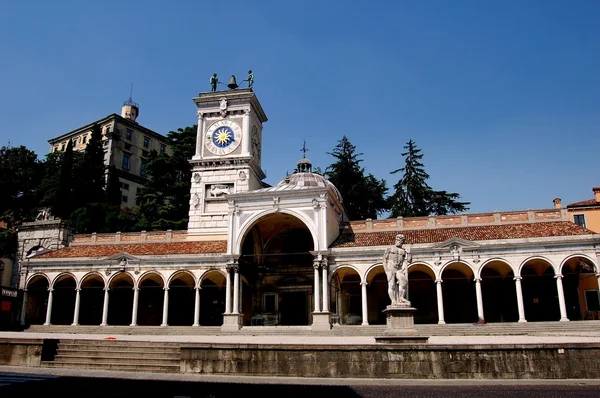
(63, 196)
(363, 196)
(413, 197)
(92, 174)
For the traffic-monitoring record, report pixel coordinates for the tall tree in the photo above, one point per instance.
(62, 205)
(363, 196)
(91, 173)
(19, 179)
(413, 197)
(166, 196)
(113, 188)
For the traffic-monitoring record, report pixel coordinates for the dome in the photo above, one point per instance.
(311, 180)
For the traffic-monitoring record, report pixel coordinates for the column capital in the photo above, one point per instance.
(363, 283)
(106, 289)
(25, 290)
(197, 288)
(135, 289)
(558, 276)
(597, 275)
(166, 288)
(517, 278)
(439, 281)
(50, 289)
(77, 289)
(316, 264)
(477, 280)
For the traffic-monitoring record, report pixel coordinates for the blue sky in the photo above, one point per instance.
(503, 97)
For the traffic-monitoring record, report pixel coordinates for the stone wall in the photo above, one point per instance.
(548, 361)
(21, 352)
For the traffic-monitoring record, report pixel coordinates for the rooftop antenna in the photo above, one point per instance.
(131, 93)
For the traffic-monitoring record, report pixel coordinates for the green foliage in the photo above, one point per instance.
(8, 243)
(89, 218)
(63, 198)
(113, 187)
(413, 197)
(166, 196)
(91, 172)
(19, 179)
(363, 195)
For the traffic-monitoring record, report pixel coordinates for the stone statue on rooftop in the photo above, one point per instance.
(213, 82)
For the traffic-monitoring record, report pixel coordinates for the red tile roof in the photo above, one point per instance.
(487, 232)
(140, 249)
(590, 202)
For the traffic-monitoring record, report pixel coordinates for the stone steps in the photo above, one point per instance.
(143, 356)
(512, 328)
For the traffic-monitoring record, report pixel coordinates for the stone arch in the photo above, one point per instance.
(377, 297)
(346, 281)
(64, 293)
(120, 303)
(37, 298)
(182, 294)
(256, 218)
(497, 281)
(212, 297)
(580, 287)
(458, 289)
(422, 292)
(151, 285)
(538, 286)
(91, 287)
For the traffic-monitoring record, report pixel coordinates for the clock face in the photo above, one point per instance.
(223, 137)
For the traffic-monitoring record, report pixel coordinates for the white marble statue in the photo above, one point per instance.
(395, 263)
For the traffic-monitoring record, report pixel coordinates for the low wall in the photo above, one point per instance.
(545, 361)
(21, 352)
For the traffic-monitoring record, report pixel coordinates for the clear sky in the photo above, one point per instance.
(503, 97)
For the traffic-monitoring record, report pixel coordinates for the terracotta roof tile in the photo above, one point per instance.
(488, 232)
(140, 249)
(590, 202)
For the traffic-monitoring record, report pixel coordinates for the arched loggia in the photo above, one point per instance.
(540, 294)
(422, 293)
(348, 296)
(460, 301)
(181, 299)
(277, 264)
(212, 298)
(120, 303)
(37, 300)
(92, 299)
(64, 300)
(497, 280)
(580, 286)
(151, 300)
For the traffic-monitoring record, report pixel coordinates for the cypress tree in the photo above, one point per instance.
(92, 172)
(62, 205)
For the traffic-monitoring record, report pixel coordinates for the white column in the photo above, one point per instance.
(317, 288)
(165, 308)
(325, 287)
(561, 298)
(365, 312)
(197, 308)
(24, 307)
(105, 309)
(76, 312)
(520, 299)
(199, 134)
(228, 292)
(597, 277)
(479, 298)
(49, 308)
(236, 290)
(247, 138)
(134, 310)
(440, 301)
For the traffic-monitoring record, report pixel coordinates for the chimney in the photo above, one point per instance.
(596, 193)
(557, 203)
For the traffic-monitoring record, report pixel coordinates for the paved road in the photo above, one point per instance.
(24, 385)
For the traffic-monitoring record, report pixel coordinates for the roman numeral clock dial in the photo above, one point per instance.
(223, 137)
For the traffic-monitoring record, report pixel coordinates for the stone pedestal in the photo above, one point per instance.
(321, 321)
(232, 322)
(400, 326)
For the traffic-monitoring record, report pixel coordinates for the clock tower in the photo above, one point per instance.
(228, 156)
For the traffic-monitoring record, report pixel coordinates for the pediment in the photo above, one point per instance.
(453, 242)
(123, 255)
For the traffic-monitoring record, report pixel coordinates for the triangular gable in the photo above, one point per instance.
(123, 255)
(453, 242)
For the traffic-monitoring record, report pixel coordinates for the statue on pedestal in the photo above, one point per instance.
(213, 82)
(395, 263)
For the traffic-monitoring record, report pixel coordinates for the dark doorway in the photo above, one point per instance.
(293, 308)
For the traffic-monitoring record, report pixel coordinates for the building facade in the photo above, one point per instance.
(286, 254)
(126, 145)
(585, 213)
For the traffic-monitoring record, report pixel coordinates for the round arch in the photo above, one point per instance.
(347, 294)
(580, 287)
(151, 285)
(212, 297)
(572, 256)
(182, 294)
(498, 291)
(36, 277)
(422, 292)
(37, 298)
(155, 276)
(539, 289)
(91, 287)
(120, 303)
(93, 275)
(63, 276)
(535, 259)
(495, 261)
(458, 290)
(368, 276)
(63, 297)
(252, 221)
(177, 274)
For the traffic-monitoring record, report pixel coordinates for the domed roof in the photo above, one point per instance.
(311, 180)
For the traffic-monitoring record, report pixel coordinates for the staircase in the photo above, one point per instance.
(572, 328)
(139, 356)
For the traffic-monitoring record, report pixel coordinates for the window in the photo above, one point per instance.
(125, 186)
(127, 146)
(146, 142)
(128, 134)
(62, 147)
(105, 143)
(162, 148)
(105, 156)
(579, 219)
(124, 199)
(106, 129)
(592, 301)
(142, 168)
(125, 164)
(84, 139)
